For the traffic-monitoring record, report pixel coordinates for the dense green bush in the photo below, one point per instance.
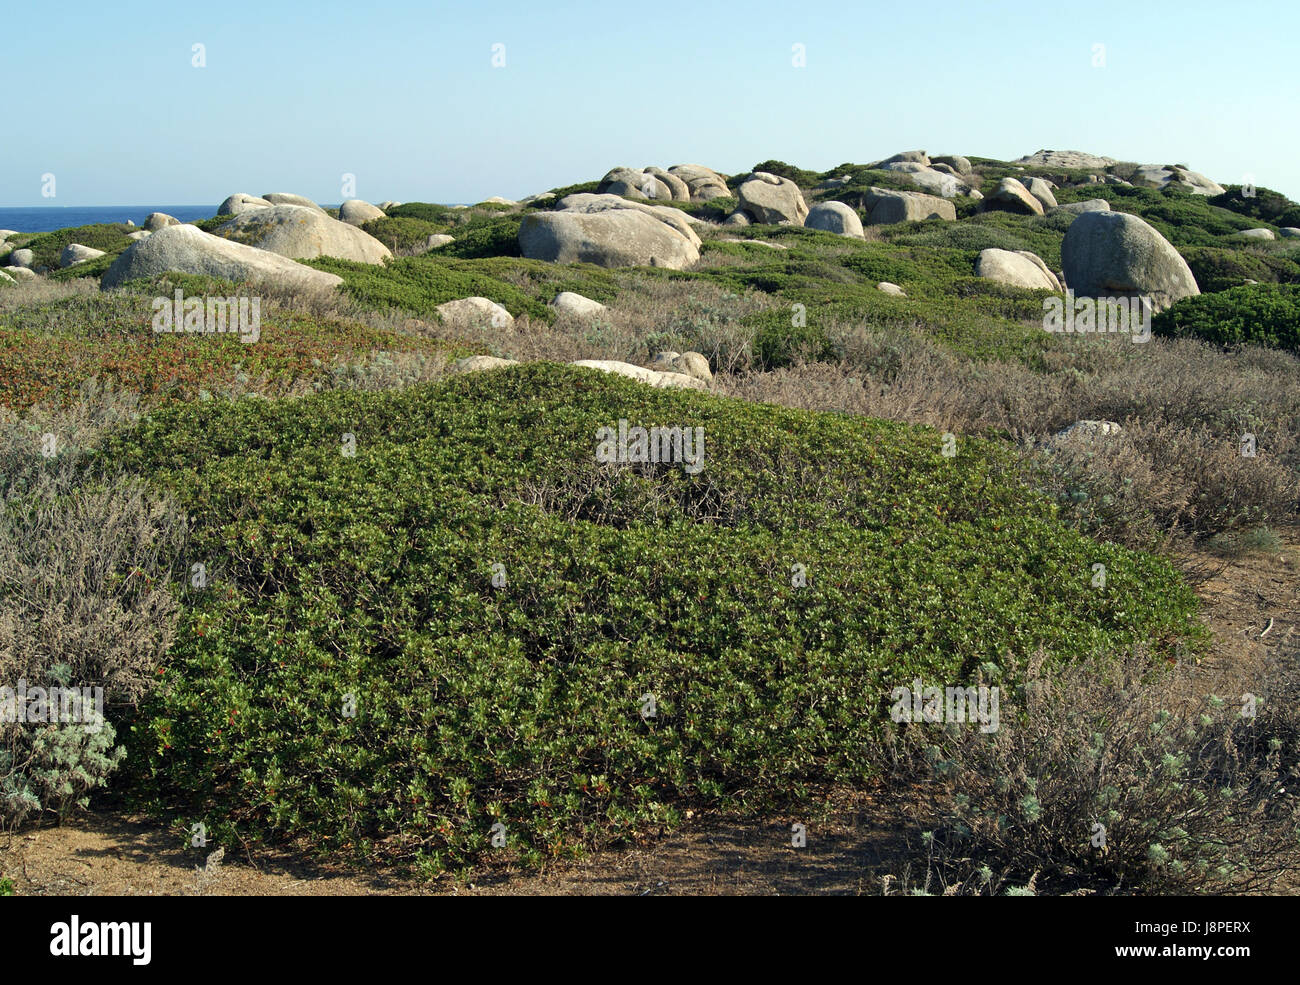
(211, 225)
(402, 232)
(427, 211)
(111, 237)
(521, 702)
(1266, 314)
(419, 284)
(1217, 269)
(779, 341)
(835, 279)
(484, 236)
(548, 200)
(487, 230)
(49, 350)
(1183, 218)
(714, 210)
(802, 178)
(1266, 205)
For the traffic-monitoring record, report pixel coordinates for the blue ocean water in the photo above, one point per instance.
(46, 219)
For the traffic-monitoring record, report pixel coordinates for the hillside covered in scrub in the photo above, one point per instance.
(365, 585)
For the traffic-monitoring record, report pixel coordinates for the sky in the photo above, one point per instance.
(413, 100)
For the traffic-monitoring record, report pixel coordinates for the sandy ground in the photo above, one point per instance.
(1252, 604)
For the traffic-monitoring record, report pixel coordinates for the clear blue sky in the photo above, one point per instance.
(404, 94)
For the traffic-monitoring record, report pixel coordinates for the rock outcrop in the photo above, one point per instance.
(1018, 268)
(355, 212)
(834, 217)
(1113, 254)
(300, 233)
(189, 250)
(767, 198)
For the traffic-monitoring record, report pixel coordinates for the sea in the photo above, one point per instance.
(48, 218)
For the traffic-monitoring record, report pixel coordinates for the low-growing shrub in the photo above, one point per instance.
(1155, 481)
(49, 350)
(1263, 314)
(85, 564)
(111, 237)
(402, 232)
(500, 609)
(1107, 777)
(1264, 204)
(1218, 269)
(802, 178)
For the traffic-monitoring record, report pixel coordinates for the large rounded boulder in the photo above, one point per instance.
(1088, 205)
(239, 203)
(355, 212)
(288, 198)
(1114, 254)
(834, 217)
(608, 238)
(955, 161)
(703, 183)
(187, 249)
(587, 202)
(159, 220)
(681, 192)
(767, 198)
(1041, 189)
(884, 206)
(302, 234)
(75, 253)
(1018, 268)
(1159, 176)
(1012, 196)
(632, 183)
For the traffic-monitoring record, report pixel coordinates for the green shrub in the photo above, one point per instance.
(54, 768)
(802, 178)
(1183, 218)
(778, 342)
(550, 198)
(419, 284)
(211, 225)
(714, 210)
(521, 702)
(94, 267)
(484, 236)
(49, 350)
(1218, 269)
(1265, 314)
(835, 280)
(1266, 205)
(402, 232)
(426, 211)
(111, 237)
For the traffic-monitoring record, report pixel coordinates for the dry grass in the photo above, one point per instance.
(1110, 777)
(85, 599)
(1185, 406)
(42, 290)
